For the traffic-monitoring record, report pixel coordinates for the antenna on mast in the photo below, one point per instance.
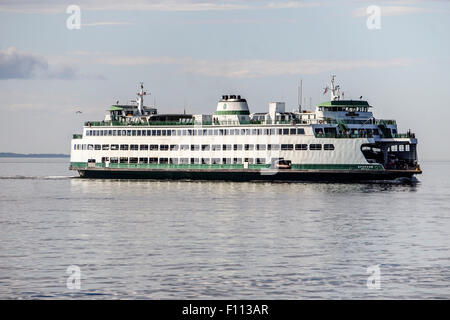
(300, 93)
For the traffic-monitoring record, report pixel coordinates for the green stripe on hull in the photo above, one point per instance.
(238, 112)
(358, 167)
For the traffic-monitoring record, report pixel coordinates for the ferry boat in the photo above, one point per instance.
(340, 141)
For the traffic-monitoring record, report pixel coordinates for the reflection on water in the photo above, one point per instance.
(179, 239)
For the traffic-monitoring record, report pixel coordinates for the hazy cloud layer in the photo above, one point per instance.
(55, 6)
(236, 68)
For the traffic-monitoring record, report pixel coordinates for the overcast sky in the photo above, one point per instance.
(191, 52)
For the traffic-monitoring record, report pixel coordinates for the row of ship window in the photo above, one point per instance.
(197, 132)
(185, 160)
(203, 147)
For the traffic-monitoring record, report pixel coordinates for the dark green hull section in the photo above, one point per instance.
(248, 175)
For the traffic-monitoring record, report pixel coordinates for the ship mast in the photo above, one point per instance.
(334, 90)
(140, 99)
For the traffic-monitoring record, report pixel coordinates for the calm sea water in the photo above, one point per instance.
(220, 240)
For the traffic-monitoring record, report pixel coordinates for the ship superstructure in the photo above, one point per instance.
(340, 140)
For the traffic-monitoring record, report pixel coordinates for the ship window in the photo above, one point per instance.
(123, 147)
(253, 132)
(124, 132)
(260, 147)
(158, 132)
(105, 147)
(315, 147)
(164, 147)
(173, 147)
(328, 147)
(143, 160)
(237, 161)
(407, 147)
(394, 148)
(301, 147)
(248, 147)
(231, 132)
(114, 147)
(216, 132)
(318, 130)
(226, 160)
(174, 132)
(163, 160)
(226, 147)
(287, 147)
(194, 160)
(273, 147)
(90, 147)
(205, 161)
(114, 132)
(153, 147)
(133, 160)
(237, 147)
(184, 132)
(98, 147)
(260, 160)
(292, 131)
(300, 131)
(114, 160)
(221, 132)
(250, 160)
(164, 132)
(143, 147)
(123, 160)
(189, 132)
(173, 160)
(215, 160)
(184, 160)
(195, 147)
(144, 132)
(184, 147)
(236, 132)
(134, 147)
(205, 147)
(285, 131)
(272, 131)
(109, 132)
(215, 147)
(133, 132)
(153, 160)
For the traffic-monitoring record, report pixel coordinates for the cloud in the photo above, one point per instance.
(55, 6)
(22, 65)
(243, 68)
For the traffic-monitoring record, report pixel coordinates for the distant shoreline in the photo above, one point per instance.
(32, 155)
